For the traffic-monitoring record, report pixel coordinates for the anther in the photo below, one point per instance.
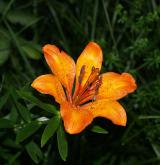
(81, 75)
(98, 84)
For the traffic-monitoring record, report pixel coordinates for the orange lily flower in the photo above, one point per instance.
(102, 90)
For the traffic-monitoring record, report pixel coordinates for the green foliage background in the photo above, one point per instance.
(129, 34)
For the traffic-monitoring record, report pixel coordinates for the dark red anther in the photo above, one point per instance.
(98, 84)
(81, 75)
(90, 89)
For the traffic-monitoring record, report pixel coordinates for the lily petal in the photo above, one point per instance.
(75, 119)
(90, 57)
(115, 86)
(62, 65)
(49, 84)
(111, 110)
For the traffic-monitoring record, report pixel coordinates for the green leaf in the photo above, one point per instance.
(98, 129)
(4, 49)
(29, 97)
(34, 152)
(24, 112)
(27, 131)
(17, 44)
(21, 17)
(5, 123)
(62, 143)
(8, 142)
(3, 100)
(4, 56)
(50, 130)
(13, 116)
(13, 158)
(2, 6)
(31, 52)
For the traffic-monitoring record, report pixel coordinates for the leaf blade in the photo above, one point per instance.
(29, 97)
(98, 129)
(27, 131)
(62, 143)
(50, 130)
(34, 151)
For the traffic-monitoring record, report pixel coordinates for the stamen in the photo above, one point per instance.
(81, 75)
(98, 84)
(78, 85)
(92, 78)
(90, 88)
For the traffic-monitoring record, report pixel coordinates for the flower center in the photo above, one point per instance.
(89, 90)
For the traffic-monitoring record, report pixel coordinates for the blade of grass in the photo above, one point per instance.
(59, 26)
(109, 26)
(148, 117)
(7, 8)
(139, 132)
(156, 149)
(128, 130)
(75, 23)
(150, 161)
(17, 44)
(29, 25)
(95, 11)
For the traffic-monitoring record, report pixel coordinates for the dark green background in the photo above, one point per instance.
(129, 34)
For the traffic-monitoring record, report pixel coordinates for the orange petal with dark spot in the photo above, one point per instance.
(90, 57)
(49, 84)
(75, 119)
(62, 65)
(115, 86)
(111, 110)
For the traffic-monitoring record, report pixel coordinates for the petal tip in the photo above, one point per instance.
(33, 84)
(71, 132)
(122, 122)
(49, 48)
(130, 78)
(45, 47)
(96, 47)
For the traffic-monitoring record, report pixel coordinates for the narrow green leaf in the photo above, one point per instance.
(50, 130)
(5, 123)
(33, 22)
(24, 112)
(4, 49)
(62, 143)
(3, 100)
(19, 16)
(59, 26)
(17, 44)
(13, 116)
(31, 52)
(34, 152)
(13, 158)
(156, 148)
(4, 56)
(8, 142)
(7, 8)
(95, 12)
(98, 129)
(29, 97)
(27, 131)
